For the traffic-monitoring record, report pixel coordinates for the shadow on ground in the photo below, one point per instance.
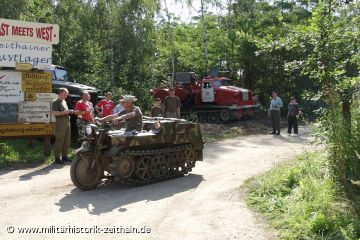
(41, 171)
(112, 195)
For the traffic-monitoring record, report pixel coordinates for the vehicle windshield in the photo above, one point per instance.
(60, 75)
(222, 82)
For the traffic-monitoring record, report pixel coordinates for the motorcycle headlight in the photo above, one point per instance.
(157, 125)
(88, 130)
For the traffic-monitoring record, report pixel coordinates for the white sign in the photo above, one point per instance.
(13, 30)
(38, 55)
(34, 112)
(10, 87)
(46, 97)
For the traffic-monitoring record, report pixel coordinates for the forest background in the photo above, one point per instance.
(131, 46)
(303, 48)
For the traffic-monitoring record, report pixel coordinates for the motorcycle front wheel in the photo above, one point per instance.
(81, 173)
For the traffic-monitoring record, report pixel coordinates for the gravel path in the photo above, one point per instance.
(207, 204)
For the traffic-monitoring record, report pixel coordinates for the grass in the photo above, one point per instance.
(215, 137)
(234, 129)
(15, 152)
(301, 201)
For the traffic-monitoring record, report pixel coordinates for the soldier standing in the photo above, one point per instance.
(62, 126)
(172, 105)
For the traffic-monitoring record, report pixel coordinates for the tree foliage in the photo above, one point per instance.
(309, 49)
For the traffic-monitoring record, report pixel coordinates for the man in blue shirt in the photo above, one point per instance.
(274, 111)
(119, 107)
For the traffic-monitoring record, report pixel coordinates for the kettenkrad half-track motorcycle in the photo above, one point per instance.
(164, 149)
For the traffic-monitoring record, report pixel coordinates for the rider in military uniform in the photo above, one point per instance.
(62, 126)
(131, 115)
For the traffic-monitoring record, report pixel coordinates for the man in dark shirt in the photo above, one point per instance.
(293, 115)
(172, 105)
(132, 115)
(62, 126)
(156, 110)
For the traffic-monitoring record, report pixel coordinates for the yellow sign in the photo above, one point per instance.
(17, 130)
(36, 82)
(23, 66)
(30, 96)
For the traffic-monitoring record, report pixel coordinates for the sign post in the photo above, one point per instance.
(25, 95)
(36, 82)
(23, 66)
(10, 87)
(25, 129)
(29, 32)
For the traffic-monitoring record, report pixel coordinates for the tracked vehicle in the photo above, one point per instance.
(213, 99)
(164, 149)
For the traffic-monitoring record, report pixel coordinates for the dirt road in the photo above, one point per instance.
(207, 204)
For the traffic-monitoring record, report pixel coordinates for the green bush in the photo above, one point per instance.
(343, 141)
(302, 201)
(17, 152)
(7, 153)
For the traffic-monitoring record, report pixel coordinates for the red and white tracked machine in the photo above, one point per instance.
(213, 99)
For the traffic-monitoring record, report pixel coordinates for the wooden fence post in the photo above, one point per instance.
(47, 146)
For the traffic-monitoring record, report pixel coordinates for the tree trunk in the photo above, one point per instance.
(205, 41)
(346, 113)
(248, 75)
(172, 47)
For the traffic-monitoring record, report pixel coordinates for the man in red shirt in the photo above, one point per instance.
(84, 111)
(106, 106)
